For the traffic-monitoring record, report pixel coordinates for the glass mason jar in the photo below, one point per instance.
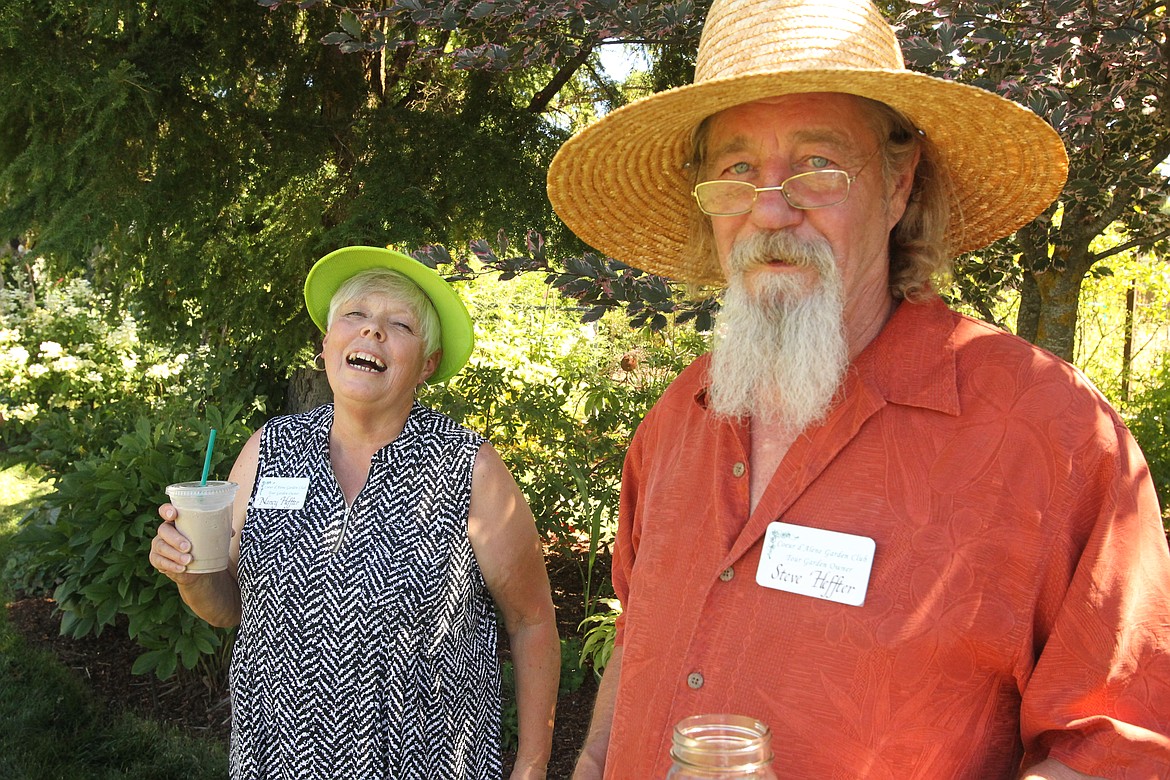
(711, 747)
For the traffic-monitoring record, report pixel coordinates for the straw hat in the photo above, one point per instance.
(621, 186)
(456, 337)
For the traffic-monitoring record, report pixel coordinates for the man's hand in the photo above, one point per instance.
(1051, 769)
(588, 768)
(591, 762)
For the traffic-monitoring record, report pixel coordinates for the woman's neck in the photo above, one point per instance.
(354, 438)
(370, 427)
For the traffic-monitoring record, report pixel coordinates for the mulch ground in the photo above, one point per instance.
(194, 706)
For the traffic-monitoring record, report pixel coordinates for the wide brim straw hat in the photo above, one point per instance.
(457, 335)
(621, 184)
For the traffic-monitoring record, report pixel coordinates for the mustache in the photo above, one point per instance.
(780, 247)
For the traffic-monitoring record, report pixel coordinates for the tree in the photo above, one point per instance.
(196, 157)
(1099, 72)
(181, 150)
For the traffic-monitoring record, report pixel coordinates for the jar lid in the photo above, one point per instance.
(722, 740)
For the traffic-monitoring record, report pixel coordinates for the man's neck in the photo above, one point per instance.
(770, 441)
(862, 327)
(769, 444)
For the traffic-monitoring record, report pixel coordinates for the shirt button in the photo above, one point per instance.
(695, 680)
(738, 469)
(727, 574)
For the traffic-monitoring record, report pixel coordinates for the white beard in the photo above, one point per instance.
(780, 350)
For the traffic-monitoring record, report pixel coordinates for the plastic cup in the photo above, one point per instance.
(205, 518)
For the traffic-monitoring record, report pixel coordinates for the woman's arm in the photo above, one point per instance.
(215, 597)
(507, 548)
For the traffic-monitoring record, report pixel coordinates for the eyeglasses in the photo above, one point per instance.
(809, 190)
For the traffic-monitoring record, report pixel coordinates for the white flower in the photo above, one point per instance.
(129, 363)
(66, 363)
(51, 349)
(37, 370)
(9, 334)
(94, 376)
(24, 413)
(17, 354)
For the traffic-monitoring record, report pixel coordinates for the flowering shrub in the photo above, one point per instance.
(61, 352)
(75, 375)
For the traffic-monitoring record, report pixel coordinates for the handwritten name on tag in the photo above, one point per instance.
(814, 562)
(281, 493)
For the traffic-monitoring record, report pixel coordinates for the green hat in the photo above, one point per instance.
(336, 268)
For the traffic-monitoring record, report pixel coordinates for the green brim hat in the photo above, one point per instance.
(457, 335)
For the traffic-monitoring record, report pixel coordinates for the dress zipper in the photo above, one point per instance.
(344, 526)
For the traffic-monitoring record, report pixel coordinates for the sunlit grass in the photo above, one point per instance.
(20, 491)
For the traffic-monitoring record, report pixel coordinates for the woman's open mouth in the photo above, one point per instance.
(364, 361)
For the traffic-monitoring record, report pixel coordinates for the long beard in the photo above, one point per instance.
(780, 351)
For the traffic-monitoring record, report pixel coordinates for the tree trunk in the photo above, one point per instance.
(1049, 302)
(307, 389)
(1127, 348)
(1028, 317)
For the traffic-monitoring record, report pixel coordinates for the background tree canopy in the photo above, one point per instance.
(195, 157)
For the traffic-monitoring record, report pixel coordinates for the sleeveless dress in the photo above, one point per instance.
(367, 643)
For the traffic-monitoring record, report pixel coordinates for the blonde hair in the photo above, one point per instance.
(919, 254)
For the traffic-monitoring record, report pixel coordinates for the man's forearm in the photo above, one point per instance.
(591, 762)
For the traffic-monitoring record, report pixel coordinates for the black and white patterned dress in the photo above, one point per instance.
(367, 645)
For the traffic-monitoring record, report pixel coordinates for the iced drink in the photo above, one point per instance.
(205, 518)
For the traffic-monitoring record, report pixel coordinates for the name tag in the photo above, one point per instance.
(281, 493)
(813, 562)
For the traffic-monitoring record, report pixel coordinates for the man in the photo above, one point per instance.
(913, 545)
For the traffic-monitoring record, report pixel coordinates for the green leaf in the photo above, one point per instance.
(106, 611)
(351, 24)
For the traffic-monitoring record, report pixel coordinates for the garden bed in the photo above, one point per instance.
(191, 705)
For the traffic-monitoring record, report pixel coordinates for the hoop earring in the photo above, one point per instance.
(421, 388)
(319, 356)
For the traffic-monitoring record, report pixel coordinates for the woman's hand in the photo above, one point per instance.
(170, 551)
(214, 596)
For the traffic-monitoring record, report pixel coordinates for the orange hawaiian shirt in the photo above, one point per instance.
(1018, 605)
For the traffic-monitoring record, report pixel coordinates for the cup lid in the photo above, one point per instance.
(212, 488)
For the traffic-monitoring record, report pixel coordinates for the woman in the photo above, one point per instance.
(367, 642)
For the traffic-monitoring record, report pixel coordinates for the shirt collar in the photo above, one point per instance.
(322, 424)
(912, 361)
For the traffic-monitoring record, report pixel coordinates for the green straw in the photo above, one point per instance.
(207, 459)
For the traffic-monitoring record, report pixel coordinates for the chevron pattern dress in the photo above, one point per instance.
(367, 644)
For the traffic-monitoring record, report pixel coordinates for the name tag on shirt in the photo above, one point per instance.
(281, 493)
(813, 562)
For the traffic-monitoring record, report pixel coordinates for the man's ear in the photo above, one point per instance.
(900, 188)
